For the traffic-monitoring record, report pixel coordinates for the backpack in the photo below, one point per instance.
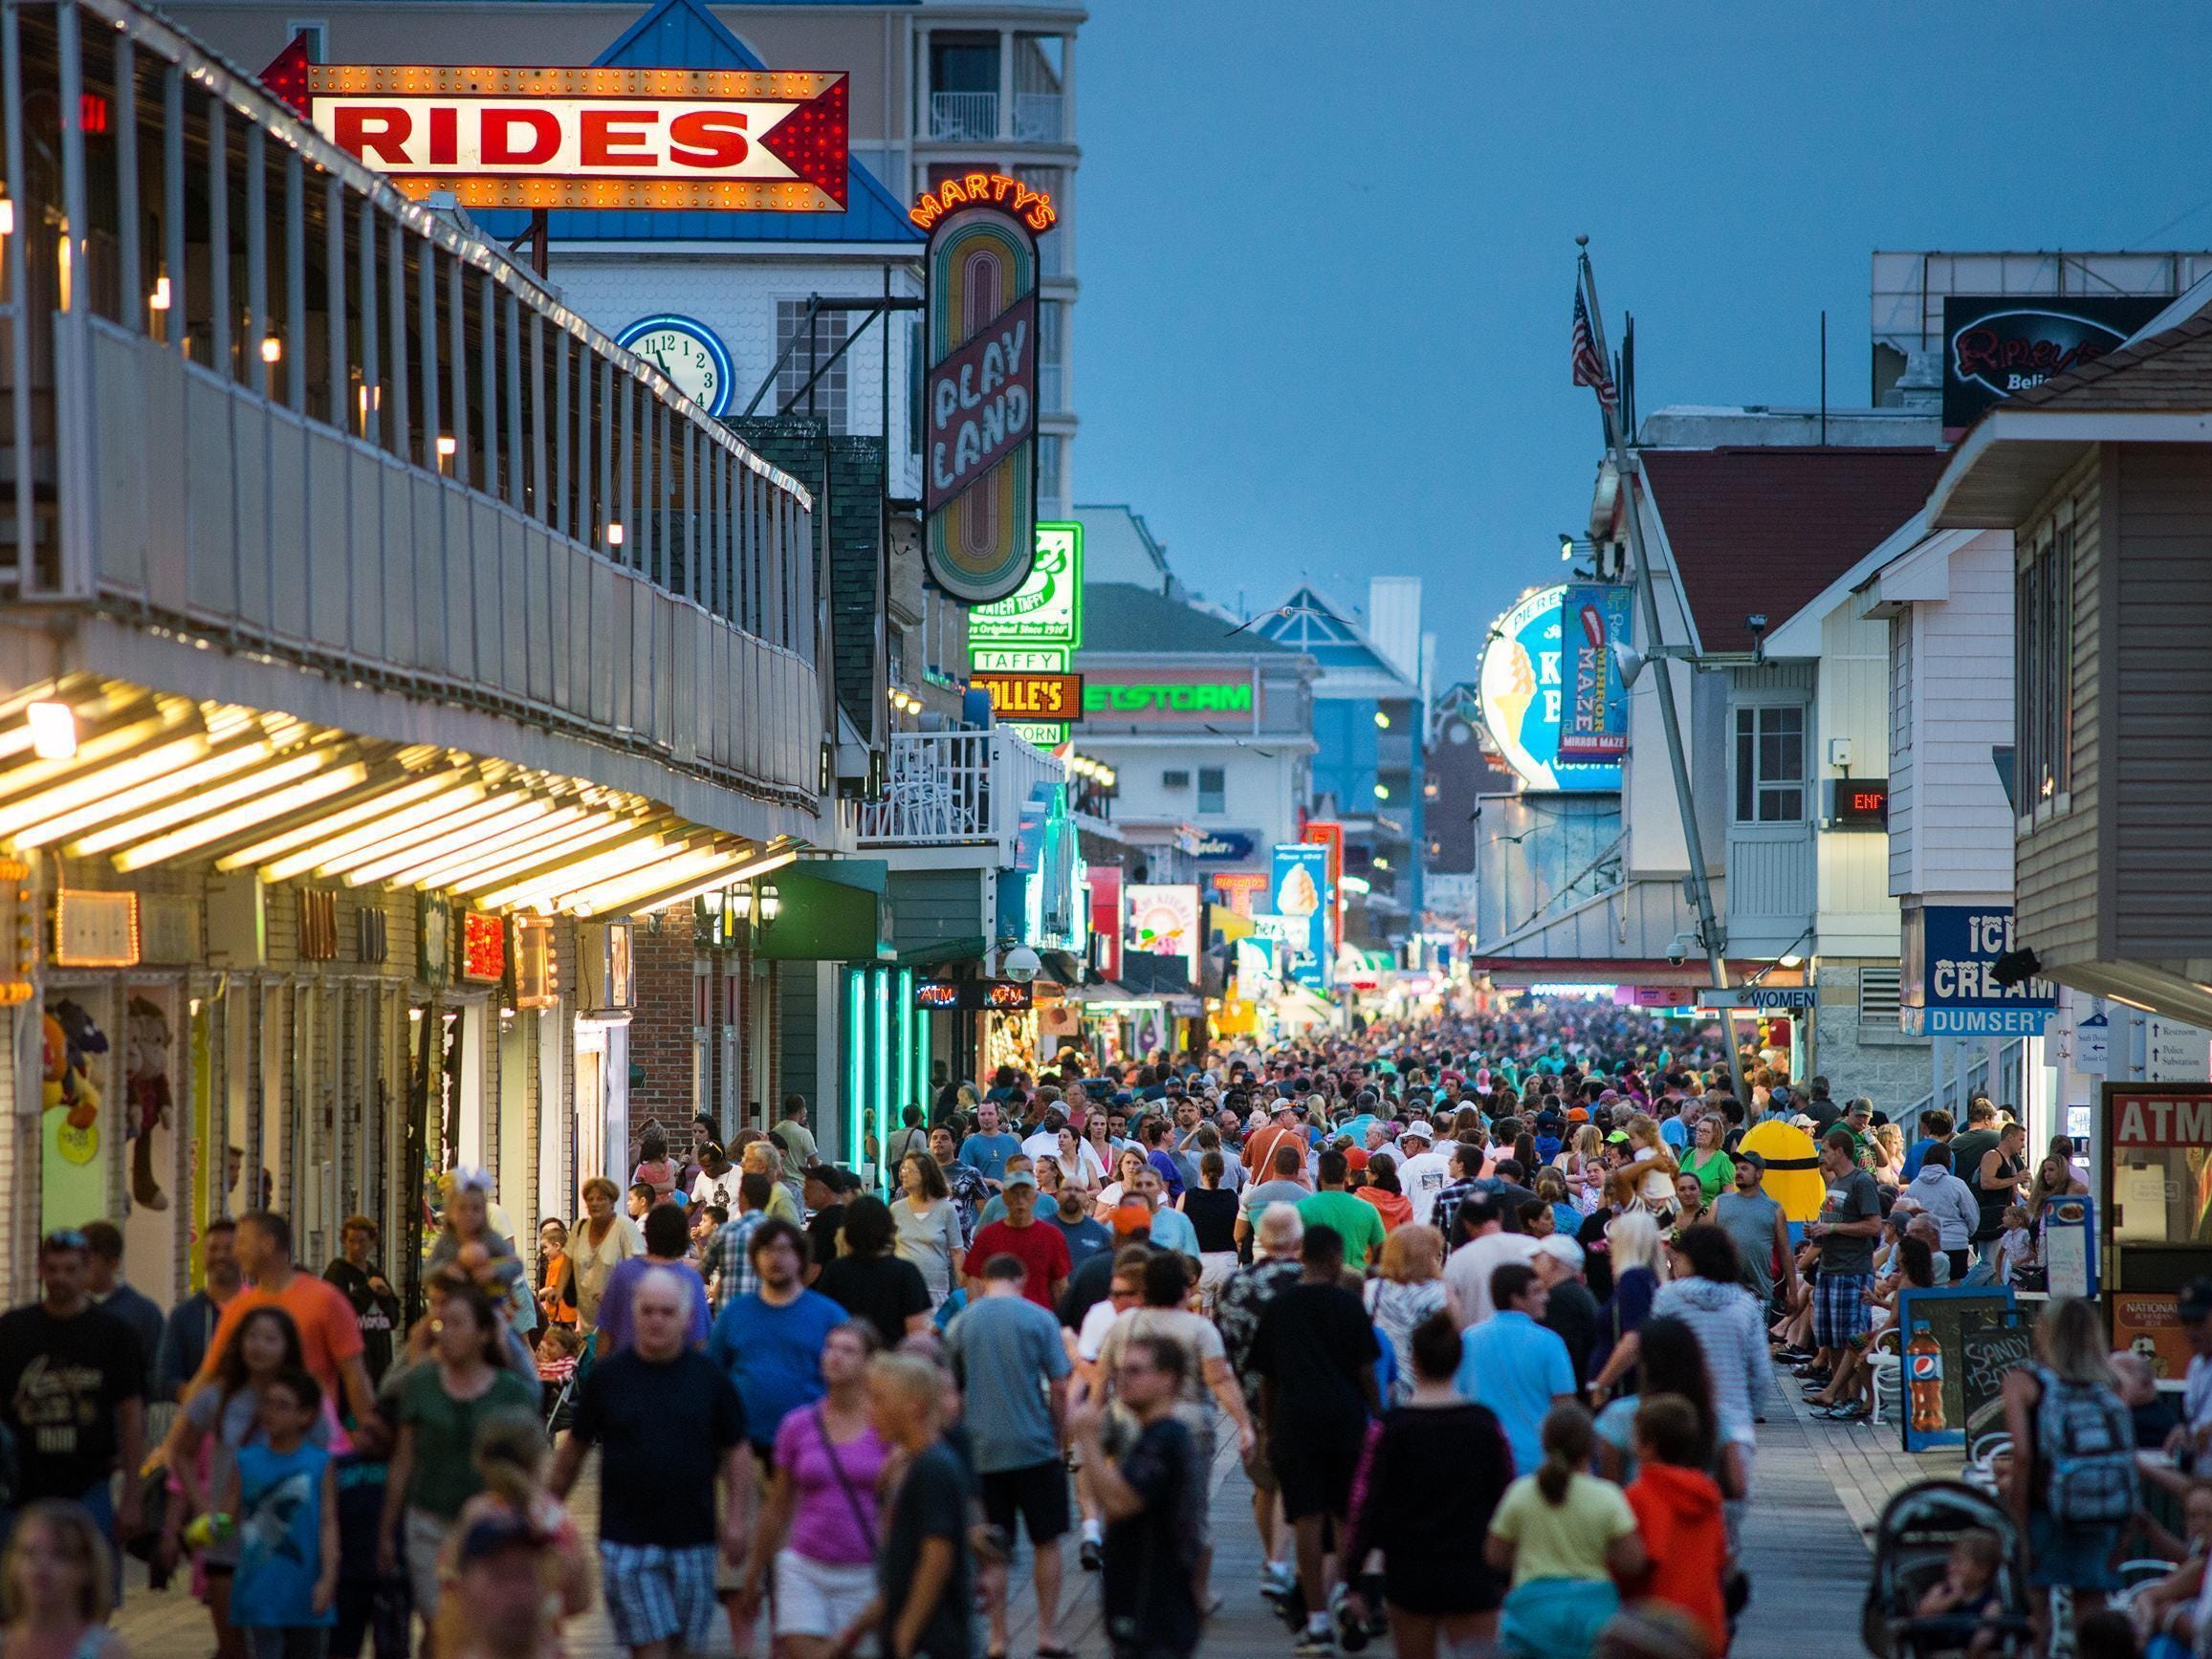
(2086, 1442)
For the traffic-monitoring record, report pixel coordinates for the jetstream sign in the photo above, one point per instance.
(1169, 697)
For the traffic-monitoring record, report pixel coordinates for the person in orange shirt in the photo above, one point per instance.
(1678, 1510)
(330, 1340)
(1281, 1131)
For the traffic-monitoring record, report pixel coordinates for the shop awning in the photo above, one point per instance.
(829, 910)
(93, 768)
(940, 952)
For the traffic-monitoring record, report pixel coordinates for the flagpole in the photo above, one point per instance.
(1709, 933)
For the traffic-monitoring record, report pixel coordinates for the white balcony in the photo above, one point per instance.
(964, 117)
(1039, 117)
(950, 788)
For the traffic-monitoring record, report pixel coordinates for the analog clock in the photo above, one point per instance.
(689, 353)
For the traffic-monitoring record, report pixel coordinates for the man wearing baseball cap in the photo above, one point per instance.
(2194, 1309)
(1258, 1155)
(1425, 1171)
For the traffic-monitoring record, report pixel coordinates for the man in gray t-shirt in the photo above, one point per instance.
(1756, 1226)
(1282, 1185)
(1850, 1220)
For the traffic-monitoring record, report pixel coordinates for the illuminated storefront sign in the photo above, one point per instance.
(1163, 921)
(979, 397)
(1047, 698)
(96, 930)
(1948, 958)
(483, 958)
(1329, 834)
(1301, 896)
(1523, 697)
(1044, 614)
(1153, 701)
(610, 138)
(1241, 889)
(1594, 617)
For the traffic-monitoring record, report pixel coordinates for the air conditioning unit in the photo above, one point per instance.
(1175, 780)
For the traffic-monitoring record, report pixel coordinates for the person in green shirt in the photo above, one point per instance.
(1714, 1168)
(442, 1402)
(1358, 1223)
(1858, 1124)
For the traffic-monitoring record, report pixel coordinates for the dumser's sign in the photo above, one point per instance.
(979, 403)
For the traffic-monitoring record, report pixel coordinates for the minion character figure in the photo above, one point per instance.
(1793, 1177)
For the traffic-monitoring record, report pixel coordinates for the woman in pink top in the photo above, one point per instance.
(818, 1523)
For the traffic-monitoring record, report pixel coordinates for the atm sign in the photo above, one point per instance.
(1033, 696)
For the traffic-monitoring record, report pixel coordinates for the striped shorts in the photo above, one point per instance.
(1839, 1308)
(659, 1593)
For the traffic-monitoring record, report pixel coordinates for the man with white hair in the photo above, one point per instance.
(1570, 1311)
(1424, 1172)
(658, 1524)
(1275, 1268)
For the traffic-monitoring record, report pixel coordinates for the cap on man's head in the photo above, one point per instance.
(1560, 1248)
(1131, 1217)
(1757, 1160)
(2196, 1300)
(1858, 1107)
(1016, 1178)
(1418, 1132)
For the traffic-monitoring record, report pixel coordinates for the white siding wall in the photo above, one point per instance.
(1903, 796)
(1260, 792)
(1648, 808)
(1856, 916)
(1962, 659)
(735, 296)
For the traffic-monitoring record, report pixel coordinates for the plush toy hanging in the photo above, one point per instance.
(69, 1035)
(147, 1081)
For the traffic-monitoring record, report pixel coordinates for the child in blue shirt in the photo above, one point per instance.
(283, 1500)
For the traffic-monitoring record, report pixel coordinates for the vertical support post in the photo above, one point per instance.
(295, 281)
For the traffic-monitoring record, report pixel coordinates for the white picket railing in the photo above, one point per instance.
(957, 788)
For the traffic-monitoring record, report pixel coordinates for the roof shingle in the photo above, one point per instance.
(2170, 371)
(1765, 530)
(1121, 617)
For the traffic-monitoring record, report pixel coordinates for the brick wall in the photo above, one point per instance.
(662, 1027)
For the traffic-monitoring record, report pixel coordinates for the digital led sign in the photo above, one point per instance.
(1857, 803)
(1523, 697)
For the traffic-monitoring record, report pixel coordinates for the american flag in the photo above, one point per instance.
(1589, 369)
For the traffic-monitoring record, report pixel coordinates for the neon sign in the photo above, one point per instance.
(1033, 207)
(482, 947)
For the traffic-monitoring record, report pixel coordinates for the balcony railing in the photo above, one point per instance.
(964, 117)
(956, 789)
(1039, 117)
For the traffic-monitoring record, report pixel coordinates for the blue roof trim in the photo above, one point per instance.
(1308, 622)
(684, 34)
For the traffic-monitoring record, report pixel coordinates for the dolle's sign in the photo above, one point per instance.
(596, 137)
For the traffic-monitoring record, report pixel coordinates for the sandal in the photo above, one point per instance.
(1045, 1652)
(1845, 1413)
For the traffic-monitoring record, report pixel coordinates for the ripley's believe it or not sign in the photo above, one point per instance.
(980, 402)
(1523, 696)
(597, 137)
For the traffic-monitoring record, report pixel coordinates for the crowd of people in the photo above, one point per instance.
(1490, 1311)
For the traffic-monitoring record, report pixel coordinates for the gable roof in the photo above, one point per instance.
(1765, 530)
(1120, 618)
(684, 34)
(2170, 371)
(1307, 621)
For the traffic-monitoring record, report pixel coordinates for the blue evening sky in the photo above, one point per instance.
(1327, 249)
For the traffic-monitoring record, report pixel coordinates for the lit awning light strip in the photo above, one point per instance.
(182, 780)
(259, 782)
(90, 751)
(510, 813)
(721, 877)
(540, 849)
(440, 870)
(90, 781)
(415, 836)
(535, 892)
(239, 819)
(372, 834)
(385, 800)
(618, 892)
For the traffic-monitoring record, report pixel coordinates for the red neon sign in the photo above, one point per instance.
(482, 947)
(1033, 207)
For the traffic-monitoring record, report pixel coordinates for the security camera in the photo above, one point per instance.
(1021, 965)
(1680, 950)
(1756, 622)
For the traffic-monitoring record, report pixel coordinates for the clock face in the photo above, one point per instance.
(689, 353)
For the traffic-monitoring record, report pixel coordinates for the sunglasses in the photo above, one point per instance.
(65, 1239)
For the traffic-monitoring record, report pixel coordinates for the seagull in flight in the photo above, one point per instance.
(1284, 610)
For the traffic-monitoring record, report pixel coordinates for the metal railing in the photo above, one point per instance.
(1960, 1086)
(964, 117)
(249, 390)
(1039, 117)
(955, 789)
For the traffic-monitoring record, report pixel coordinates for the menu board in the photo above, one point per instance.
(1985, 1355)
(1935, 1402)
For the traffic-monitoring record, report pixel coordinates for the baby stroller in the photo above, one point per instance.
(1911, 1549)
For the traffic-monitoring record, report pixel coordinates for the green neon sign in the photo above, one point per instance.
(1045, 611)
(1168, 697)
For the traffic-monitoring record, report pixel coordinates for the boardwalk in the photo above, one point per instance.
(1819, 1486)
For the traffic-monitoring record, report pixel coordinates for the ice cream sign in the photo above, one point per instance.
(1301, 870)
(1524, 697)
